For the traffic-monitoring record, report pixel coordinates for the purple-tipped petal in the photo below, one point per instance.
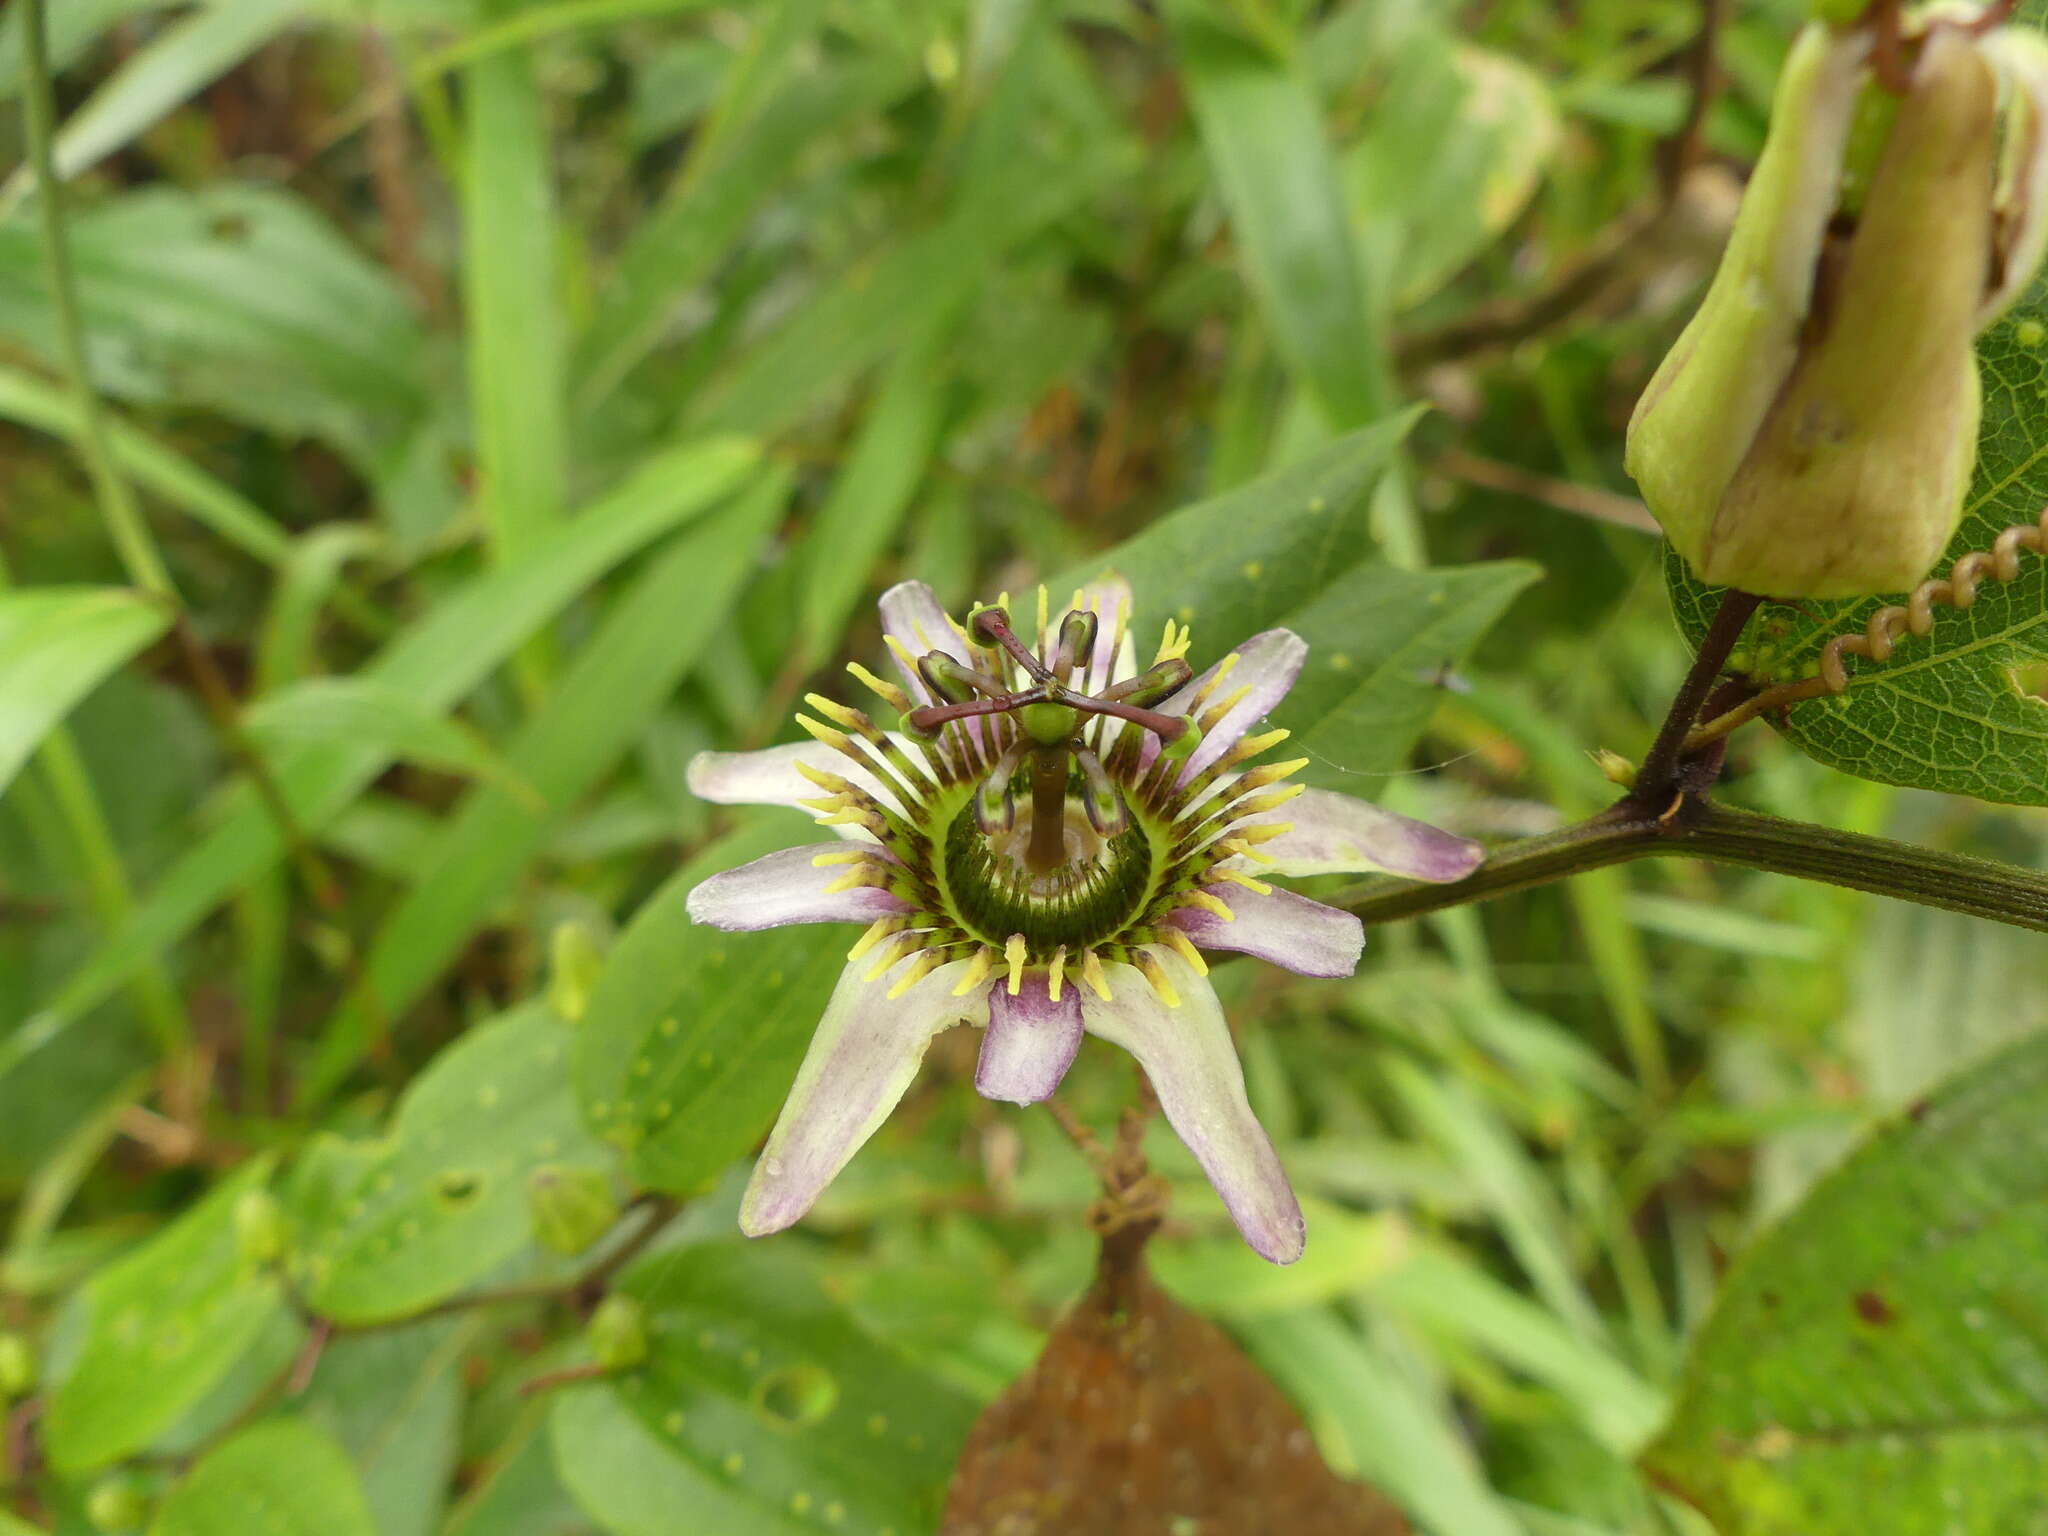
(911, 615)
(862, 1060)
(770, 776)
(788, 887)
(1031, 1040)
(1333, 834)
(1188, 1055)
(1267, 665)
(1304, 936)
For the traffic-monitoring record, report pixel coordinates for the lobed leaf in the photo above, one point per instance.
(1887, 1334)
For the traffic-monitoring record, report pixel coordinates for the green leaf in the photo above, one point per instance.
(1957, 711)
(242, 299)
(517, 351)
(1381, 641)
(871, 495)
(324, 711)
(438, 660)
(393, 1400)
(283, 1478)
(56, 644)
(1249, 559)
(651, 637)
(693, 1035)
(159, 77)
(33, 402)
(1263, 129)
(390, 1227)
(1887, 1335)
(762, 1408)
(164, 1325)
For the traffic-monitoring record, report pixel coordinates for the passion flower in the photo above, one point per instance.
(1044, 849)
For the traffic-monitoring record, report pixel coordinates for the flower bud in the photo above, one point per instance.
(570, 1208)
(617, 1333)
(576, 960)
(17, 1367)
(1814, 429)
(116, 1504)
(261, 1231)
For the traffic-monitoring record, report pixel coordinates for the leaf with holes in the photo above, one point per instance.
(1958, 710)
(390, 1227)
(692, 1035)
(164, 1326)
(761, 1408)
(283, 1478)
(1888, 1334)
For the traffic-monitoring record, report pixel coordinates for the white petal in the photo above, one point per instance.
(1333, 834)
(770, 776)
(911, 615)
(1267, 665)
(1188, 1055)
(787, 887)
(1304, 936)
(1108, 598)
(1031, 1040)
(862, 1060)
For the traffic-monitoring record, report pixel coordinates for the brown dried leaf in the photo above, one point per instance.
(1143, 1418)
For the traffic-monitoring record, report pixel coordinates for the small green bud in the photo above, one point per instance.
(617, 1333)
(17, 1367)
(261, 1231)
(570, 1208)
(1615, 768)
(117, 1503)
(1814, 429)
(575, 961)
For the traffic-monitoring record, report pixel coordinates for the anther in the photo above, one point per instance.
(887, 692)
(1210, 903)
(995, 801)
(878, 930)
(978, 970)
(1055, 973)
(920, 968)
(1091, 973)
(1099, 797)
(1013, 957)
(1186, 948)
(1152, 686)
(1154, 972)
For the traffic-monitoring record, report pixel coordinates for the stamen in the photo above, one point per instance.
(892, 949)
(1055, 973)
(1208, 902)
(838, 856)
(886, 691)
(878, 930)
(860, 875)
(920, 968)
(993, 624)
(1271, 801)
(1216, 713)
(978, 970)
(1099, 798)
(1244, 850)
(1186, 947)
(903, 655)
(1154, 972)
(1238, 877)
(1223, 670)
(1013, 957)
(1091, 972)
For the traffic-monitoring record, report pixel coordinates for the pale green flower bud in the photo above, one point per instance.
(570, 1208)
(1814, 429)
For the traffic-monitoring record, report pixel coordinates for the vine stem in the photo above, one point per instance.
(1625, 832)
(1657, 781)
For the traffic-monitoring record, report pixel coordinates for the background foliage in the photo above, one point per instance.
(526, 396)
